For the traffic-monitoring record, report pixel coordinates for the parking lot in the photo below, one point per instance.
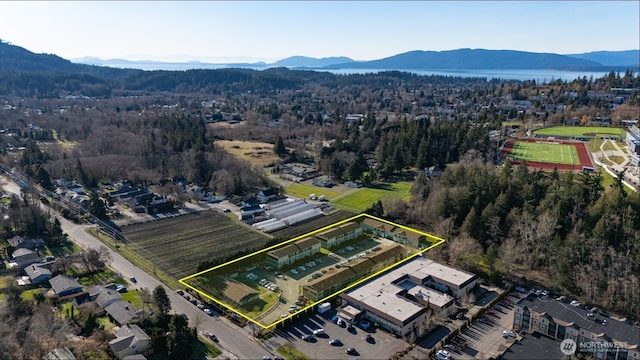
(485, 338)
(382, 345)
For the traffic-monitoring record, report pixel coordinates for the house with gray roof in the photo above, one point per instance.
(119, 310)
(63, 285)
(130, 340)
(37, 273)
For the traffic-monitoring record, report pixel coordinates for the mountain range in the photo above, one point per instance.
(15, 58)
(438, 60)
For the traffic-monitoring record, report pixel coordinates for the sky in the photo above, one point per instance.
(238, 31)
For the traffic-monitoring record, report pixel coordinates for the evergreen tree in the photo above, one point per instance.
(279, 148)
(161, 300)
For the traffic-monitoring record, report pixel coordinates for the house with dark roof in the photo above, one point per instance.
(62, 285)
(25, 257)
(266, 195)
(595, 333)
(21, 242)
(130, 340)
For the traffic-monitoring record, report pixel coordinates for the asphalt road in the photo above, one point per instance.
(235, 342)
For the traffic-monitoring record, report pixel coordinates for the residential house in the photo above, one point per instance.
(266, 195)
(37, 273)
(64, 286)
(25, 257)
(119, 310)
(291, 253)
(339, 234)
(130, 340)
(21, 242)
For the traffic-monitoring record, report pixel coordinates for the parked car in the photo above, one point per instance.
(351, 351)
(508, 333)
(443, 354)
(318, 332)
(307, 337)
(370, 339)
(335, 342)
(211, 336)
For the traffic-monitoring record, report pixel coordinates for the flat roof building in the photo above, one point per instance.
(398, 301)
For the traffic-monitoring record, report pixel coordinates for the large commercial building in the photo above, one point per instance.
(600, 336)
(398, 301)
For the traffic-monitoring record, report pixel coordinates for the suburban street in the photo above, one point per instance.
(235, 342)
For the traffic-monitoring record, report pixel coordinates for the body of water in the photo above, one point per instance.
(540, 76)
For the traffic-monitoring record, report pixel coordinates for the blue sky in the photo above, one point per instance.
(269, 31)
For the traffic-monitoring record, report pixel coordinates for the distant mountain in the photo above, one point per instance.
(17, 59)
(612, 58)
(473, 59)
(309, 62)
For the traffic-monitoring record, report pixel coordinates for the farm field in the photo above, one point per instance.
(177, 245)
(363, 198)
(307, 227)
(548, 153)
(302, 191)
(259, 154)
(581, 131)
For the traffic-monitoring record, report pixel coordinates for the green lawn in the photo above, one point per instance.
(550, 153)
(363, 198)
(303, 191)
(581, 131)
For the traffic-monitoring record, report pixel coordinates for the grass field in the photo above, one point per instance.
(177, 245)
(581, 131)
(303, 191)
(550, 153)
(363, 198)
(259, 154)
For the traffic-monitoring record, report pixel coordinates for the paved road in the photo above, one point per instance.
(235, 342)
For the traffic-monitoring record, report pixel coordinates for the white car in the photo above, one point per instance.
(575, 303)
(443, 354)
(318, 332)
(508, 333)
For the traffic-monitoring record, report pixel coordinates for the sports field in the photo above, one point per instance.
(548, 153)
(363, 198)
(581, 131)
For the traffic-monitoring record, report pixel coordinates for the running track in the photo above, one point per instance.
(581, 148)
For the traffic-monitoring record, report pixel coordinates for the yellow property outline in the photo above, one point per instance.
(438, 241)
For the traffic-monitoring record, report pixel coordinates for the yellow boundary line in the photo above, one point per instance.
(438, 241)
